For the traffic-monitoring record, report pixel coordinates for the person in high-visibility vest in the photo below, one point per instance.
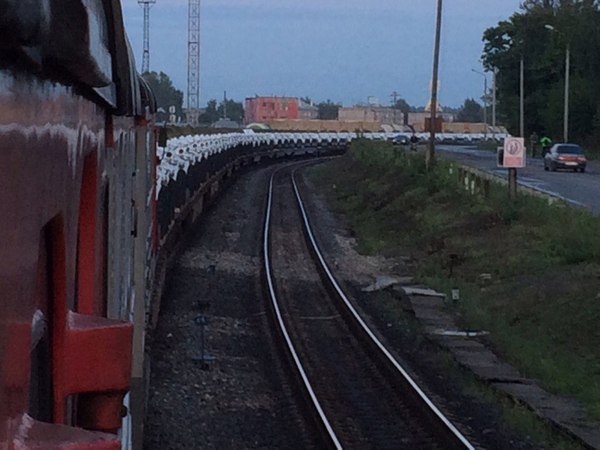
(546, 143)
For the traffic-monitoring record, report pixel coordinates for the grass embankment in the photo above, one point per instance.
(542, 305)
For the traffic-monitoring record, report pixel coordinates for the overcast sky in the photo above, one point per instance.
(343, 50)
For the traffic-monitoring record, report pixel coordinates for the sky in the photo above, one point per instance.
(342, 50)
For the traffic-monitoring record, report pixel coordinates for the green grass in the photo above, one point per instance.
(521, 419)
(542, 306)
(383, 306)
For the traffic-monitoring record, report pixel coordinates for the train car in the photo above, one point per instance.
(77, 224)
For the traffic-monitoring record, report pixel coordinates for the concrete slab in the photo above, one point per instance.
(458, 333)
(563, 412)
(384, 282)
(412, 290)
(430, 308)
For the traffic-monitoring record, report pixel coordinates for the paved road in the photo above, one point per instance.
(579, 188)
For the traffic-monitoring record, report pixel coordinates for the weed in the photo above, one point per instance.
(541, 305)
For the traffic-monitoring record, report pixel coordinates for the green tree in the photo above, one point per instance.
(471, 111)
(210, 114)
(403, 106)
(328, 110)
(215, 111)
(166, 94)
(235, 111)
(525, 36)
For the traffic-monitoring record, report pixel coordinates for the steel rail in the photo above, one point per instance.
(282, 326)
(354, 313)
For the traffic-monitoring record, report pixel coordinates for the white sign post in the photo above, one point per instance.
(514, 157)
(514, 153)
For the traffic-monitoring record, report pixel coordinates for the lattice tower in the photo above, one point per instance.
(146, 4)
(193, 59)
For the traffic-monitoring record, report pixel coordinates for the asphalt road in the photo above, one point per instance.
(581, 189)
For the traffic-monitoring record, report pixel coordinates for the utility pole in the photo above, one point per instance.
(522, 97)
(193, 100)
(567, 78)
(146, 4)
(430, 154)
(224, 104)
(494, 74)
(485, 104)
(567, 81)
(394, 98)
(512, 172)
(485, 99)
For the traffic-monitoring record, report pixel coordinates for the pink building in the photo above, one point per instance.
(264, 109)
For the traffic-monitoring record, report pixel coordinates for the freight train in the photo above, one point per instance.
(89, 211)
(77, 233)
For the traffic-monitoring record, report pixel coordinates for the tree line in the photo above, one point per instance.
(539, 34)
(167, 96)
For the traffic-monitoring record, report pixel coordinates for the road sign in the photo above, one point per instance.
(514, 153)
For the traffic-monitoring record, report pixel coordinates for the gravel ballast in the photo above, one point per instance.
(241, 399)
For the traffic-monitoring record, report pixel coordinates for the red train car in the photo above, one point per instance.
(77, 208)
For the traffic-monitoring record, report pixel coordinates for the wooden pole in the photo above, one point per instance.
(512, 173)
(430, 154)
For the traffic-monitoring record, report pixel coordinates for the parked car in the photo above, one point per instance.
(565, 156)
(400, 139)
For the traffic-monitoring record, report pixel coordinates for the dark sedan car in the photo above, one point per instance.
(400, 139)
(565, 156)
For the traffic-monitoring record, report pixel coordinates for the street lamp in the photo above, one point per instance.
(484, 98)
(494, 75)
(522, 96)
(567, 76)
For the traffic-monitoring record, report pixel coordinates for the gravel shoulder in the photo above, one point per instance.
(242, 399)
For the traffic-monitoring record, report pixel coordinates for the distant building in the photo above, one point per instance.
(265, 109)
(418, 119)
(307, 111)
(370, 113)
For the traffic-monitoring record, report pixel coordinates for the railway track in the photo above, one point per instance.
(357, 393)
